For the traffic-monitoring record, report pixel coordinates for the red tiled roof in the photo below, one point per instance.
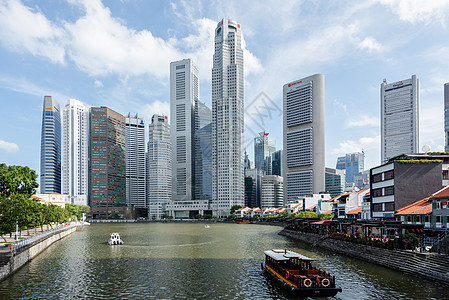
(327, 212)
(55, 193)
(330, 200)
(368, 194)
(444, 192)
(421, 207)
(354, 212)
(35, 197)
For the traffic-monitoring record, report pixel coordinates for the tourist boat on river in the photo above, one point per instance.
(295, 272)
(115, 239)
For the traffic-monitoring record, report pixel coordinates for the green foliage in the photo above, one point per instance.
(207, 216)
(164, 216)
(419, 161)
(17, 180)
(234, 208)
(307, 214)
(326, 217)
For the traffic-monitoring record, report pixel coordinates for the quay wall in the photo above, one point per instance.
(429, 265)
(20, 258)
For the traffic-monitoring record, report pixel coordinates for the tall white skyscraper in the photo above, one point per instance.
(184, 95)
(227, 118)
(75, 152)
(399, 110)
(159, 167)
(304, 137)
(135, 161)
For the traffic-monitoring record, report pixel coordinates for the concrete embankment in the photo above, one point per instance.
(9, 262)
(430, 265)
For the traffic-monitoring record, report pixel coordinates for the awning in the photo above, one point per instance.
(322, 222)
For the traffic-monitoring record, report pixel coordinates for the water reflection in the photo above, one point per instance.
(187, 261)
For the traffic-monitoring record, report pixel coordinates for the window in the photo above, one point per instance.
(389, 206)
(445, 174)
(389, 175)
(438, 219)
(377, 192)
(377, 177)
(389, 190)
(377, 207)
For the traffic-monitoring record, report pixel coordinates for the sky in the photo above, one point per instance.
(117, 54)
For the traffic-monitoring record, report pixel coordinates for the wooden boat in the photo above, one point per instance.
(296, 273)
(244, 222)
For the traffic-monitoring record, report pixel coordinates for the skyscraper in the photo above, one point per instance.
(352, 163)
(272, 194)
(335, 181)
(399, 106)
(203, 153)
(50, 147)
(135, 161)
(75, 152)
(277, 163)
(446, 117)
(159, 167)
(304, 137)
(107, 166)
(264, 145)
(227, 118)
(184, 95)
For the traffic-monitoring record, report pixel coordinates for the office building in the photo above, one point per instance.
(159, 167)
(304, 137)
(227, 118)
(264, 146)
(352, 163)
(135, 162)
(399, 117)
(50, 147)
(107, 166)
(334, 181)
(75, 152)
(272, 191)
(184, 95)
(253, 178)
(446, 117)
(203, 156)
(277, 163)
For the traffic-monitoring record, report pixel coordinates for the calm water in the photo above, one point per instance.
(188, 261)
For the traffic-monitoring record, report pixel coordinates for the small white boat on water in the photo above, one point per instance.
(115, 239)
(206, 226)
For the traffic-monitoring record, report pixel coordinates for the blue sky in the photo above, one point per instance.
(117, 54)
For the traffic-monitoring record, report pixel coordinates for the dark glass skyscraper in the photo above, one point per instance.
(51, 147)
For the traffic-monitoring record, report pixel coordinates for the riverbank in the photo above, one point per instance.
(14, 255)
(429, 265)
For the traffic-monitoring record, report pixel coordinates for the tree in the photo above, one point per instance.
(17, 180)
(234, 208)
(327, 216)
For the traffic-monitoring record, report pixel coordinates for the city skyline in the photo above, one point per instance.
(353, 46)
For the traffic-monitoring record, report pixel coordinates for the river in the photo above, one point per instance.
(189, 261)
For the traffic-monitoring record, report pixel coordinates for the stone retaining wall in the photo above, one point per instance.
(20, 258)
(430, 265)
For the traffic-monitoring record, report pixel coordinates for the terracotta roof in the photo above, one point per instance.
(354, 212)
(368, 194)
(444, 192)
(55, 193)
(327, 212)
(330, 200)
(421, 207)
(35, 197)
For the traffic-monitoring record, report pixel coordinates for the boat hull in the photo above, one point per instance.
(303, 292)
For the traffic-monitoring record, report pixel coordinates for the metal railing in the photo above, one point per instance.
(433, 240)
(17, 245)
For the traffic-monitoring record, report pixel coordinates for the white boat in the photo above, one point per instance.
(206, 226)
(115, 239)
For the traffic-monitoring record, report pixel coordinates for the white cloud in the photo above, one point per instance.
(9, 147)
(371, 45)
(23, 85)
(156, 107)
(418, 11)
(98, 83)
(22, 30)
(364, 143)
(363, 121)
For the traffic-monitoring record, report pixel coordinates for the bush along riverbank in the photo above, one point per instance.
(429, 265)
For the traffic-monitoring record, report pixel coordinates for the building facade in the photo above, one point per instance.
(304, 137)
(227, 118)
(446, 117)
(184, 96)
(253, 183)
(50, 147)
(203, 160)
(264, 146)
(135, 161)
(107, 166)
(272, 191)
(159, 189)
(334, 181)
(277, 164)
(352, 163)
(399, 106)
(75, 152)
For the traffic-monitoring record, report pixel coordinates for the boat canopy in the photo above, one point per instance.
(281, 254)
